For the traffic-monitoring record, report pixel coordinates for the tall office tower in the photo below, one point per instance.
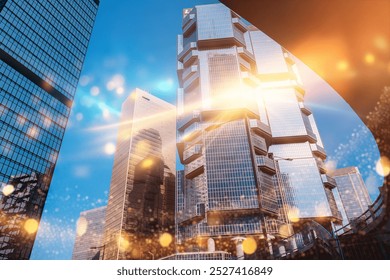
(141, 204)
(90, 232)
(251, 149)
(42, 49)
(351, 193)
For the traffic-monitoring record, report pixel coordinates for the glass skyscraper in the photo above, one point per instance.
(351, 193)
(42, 49)
(252, 154)
(141, 206)
(89, 239)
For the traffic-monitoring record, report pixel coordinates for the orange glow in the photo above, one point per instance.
(8, 190)
(369, 58)
(123, 244)
(31, 226)
(383, 166)
(342, 65)
(147, 163)
(293, 214)
(249, 245)
(165, 239)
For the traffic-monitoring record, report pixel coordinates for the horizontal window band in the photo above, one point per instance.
(19, 67)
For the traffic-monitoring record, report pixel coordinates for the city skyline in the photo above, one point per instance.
(82, 111)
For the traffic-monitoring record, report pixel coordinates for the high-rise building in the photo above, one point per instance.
(252, 154)
(42, 49)
(89, 235)
(351, 193)
(141, 206)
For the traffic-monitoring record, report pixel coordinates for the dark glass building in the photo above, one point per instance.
(42, 49)
(140, 219)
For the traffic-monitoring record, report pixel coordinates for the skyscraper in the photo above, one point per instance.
(90, 231)
(42, 49)
(352, 194)
(252, 153)
(141, 204)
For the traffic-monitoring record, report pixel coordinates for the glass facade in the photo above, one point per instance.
(89, 239)
(251, 149)
(141, 205)
(351, 192)
(42, 49)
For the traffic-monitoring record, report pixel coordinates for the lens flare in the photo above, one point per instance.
(31, 226)
(124, 244)
(165, 239)
(147, 163)
(82, 226)
(383, 166)
(8, 190)
(249, 245)
(109, 148)
(369, 58)
(293, 214)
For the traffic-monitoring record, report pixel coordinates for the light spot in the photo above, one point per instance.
(285, 230)
(383, 166)
(82, 226)
(79, 116)
(109, 148)
(147, 163)
(116, 82)
(84, 80)
(31, 226)
(8, 190)
(165, 239)
(293, 214)
(106, 113)
(120, 90)
(249, 245)
(342, 65)
(33, 132)
(369, 58)
(124, 244)
(94, 91)
(381, 43)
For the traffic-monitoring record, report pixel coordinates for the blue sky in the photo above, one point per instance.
(134, 45)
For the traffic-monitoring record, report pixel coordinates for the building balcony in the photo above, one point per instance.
(260, 128)
(187, 48)
(305, 109)
(190, 132)
(259, 144)
(321, 166)
(191, 81)
(266, 164)
(250, 79)
(242, 52)
(237, 22)
(312, 138)
(194, 215)
(189, 25)
(193, 69)
(318, 151)
(195, 168)
(328, 181)
(187, 20)
(180, 67)
(190, 58)
(188, 119)
(192, 153)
